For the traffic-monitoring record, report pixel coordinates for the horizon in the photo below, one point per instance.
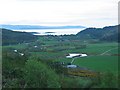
(80, 26)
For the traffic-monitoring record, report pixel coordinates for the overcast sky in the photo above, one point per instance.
(89, 13)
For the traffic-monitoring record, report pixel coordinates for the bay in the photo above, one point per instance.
(52, 31)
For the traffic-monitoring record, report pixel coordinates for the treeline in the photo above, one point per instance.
(12, 37)
(109, 33)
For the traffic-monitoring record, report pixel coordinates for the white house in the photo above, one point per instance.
(72, 55)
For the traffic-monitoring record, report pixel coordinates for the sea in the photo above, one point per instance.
(52, 31)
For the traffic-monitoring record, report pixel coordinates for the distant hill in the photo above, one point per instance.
(12, 37)
(20, 27)
(109, 33)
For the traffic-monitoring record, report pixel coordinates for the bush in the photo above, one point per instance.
(37, 75)
(106, 80)
(75, 82)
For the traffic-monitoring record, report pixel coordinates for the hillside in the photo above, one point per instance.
(12, 37)
(109, 33)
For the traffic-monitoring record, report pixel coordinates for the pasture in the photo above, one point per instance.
(98, 58)
(50, 53)
(102, 56)
(95, 61)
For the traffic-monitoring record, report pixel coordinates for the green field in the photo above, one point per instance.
(57, 51)
(99, 63)
(102, 57)
(95, 61)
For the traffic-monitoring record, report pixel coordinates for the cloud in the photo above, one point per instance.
(59, 12)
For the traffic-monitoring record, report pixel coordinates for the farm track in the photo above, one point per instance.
(108, 51)
(72, 60)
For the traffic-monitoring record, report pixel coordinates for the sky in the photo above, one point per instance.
(89, 13)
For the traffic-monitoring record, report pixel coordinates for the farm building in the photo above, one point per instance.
(73, 55)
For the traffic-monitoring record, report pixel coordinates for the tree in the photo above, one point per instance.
(37, 75)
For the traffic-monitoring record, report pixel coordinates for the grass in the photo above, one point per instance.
(96, 48)
(54, 50)
(94, 60)
(18, 46)
(99, 63)
(48, 55)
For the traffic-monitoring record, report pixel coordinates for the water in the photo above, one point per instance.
(52, 31)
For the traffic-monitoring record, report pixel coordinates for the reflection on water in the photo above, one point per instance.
(52, 31)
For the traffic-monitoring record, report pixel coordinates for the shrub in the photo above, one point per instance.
(37, 75)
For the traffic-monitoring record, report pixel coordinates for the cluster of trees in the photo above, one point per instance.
(110, 33)
(11, 37)
(25, 72)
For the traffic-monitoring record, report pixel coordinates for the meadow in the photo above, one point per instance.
(54, 49)
(101, 57)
